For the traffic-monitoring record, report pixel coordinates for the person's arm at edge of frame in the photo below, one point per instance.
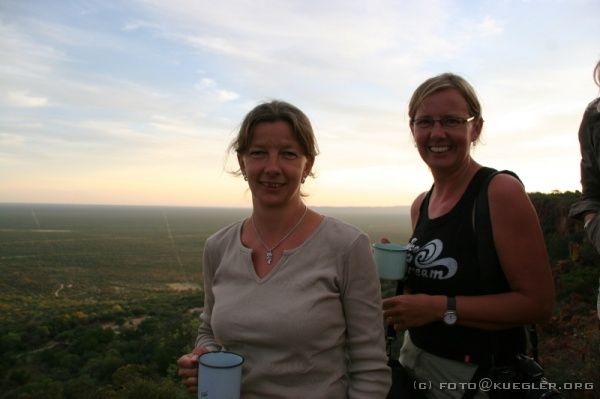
(205, 342)
(210, 261)
(361, 300)
(587, 207)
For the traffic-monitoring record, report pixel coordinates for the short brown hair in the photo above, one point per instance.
(274, 111)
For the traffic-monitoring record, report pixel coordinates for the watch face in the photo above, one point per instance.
(450, 317)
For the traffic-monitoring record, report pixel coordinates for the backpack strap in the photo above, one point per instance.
(391, 335)
(491, 275)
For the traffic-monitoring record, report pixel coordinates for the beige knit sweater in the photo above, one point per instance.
(312, 328)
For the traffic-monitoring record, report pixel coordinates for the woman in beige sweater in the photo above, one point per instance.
(294, 292)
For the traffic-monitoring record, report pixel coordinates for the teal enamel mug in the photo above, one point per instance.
(390, 259)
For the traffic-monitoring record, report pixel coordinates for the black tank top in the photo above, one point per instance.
(442, 260)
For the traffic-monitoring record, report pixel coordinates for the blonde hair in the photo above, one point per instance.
(441, 82)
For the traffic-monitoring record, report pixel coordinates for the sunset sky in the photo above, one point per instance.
(135, 102)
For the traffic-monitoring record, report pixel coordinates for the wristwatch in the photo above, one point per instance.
(450, 315)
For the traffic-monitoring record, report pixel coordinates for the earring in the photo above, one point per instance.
(245, 177)
(303, 179)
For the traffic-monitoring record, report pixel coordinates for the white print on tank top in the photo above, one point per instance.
(427, 262)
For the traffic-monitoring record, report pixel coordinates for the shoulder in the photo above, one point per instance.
(591, 117)
(224, 236)
(340, 230)
(416, 206)
(345, 246)
(418, 201)
(507, 197)
(592, 107)
(341, 237)
(504, 185)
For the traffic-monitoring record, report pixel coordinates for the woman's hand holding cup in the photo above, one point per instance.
(188, 368)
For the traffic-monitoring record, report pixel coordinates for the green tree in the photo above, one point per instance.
(101, 368)
(43, 388)
(82, 387)
(10, 342)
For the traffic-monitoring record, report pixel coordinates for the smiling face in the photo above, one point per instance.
(274, 164)
(445, 148)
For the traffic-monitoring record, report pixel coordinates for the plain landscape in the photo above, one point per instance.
(99, 301)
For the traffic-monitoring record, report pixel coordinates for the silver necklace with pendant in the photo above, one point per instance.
(270, 250)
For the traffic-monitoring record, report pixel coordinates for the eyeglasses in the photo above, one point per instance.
(449, 122)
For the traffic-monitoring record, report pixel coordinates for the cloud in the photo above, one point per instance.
(207, 85)
(10, 140)
(24, 56)
(226, 95)
(175, 126)
(223, 46)
(490, 26)
(24, 99)
(326, 37)
(139, 24)
(153, 84)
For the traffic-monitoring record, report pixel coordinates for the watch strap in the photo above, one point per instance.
(451, 303)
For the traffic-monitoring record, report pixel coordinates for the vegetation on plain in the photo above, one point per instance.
(100, 301)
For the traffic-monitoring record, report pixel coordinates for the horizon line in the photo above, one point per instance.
(186, 206)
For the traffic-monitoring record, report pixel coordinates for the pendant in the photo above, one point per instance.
(269, 257)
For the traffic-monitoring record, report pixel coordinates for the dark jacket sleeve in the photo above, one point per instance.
(589, 142)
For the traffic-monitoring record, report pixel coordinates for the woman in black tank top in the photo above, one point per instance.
(445, 310)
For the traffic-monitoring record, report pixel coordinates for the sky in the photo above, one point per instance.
(135, 102)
